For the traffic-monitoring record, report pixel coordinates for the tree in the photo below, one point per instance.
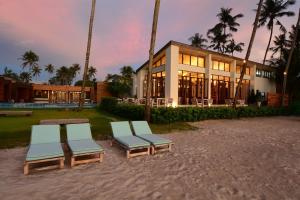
(36, 71)
(30, 59)
(120, 85)
(151, 54)
(220, 33)
(25, 77)
(272, 10)
(227, 21)
(10, 74)
(294, 43)
(198, 41)
(87, 58)
(232, 47)
(92, 71)
(258, 11)
(218, 39)
(280, 44)
(49, 68)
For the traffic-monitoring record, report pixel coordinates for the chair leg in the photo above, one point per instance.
(170, 147)
(128, 153)
(61, 163)
(26, 169)
(152, 150)
(72, 161)
(101, 157)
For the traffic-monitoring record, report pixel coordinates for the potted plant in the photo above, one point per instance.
(258, 98)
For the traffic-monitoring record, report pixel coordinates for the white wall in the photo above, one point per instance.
(265, 85)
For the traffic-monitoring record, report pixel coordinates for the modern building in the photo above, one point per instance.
(183, 72)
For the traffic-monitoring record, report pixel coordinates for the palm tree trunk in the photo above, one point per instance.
(87, 58)
(151, 53)
(248, 52)
(285, 74)
(267, 50)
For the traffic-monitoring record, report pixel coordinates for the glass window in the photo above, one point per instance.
(221, 66)
(163, 60)
(193, 60)
(238, 69)
(248, 70)
(200, 62)
(180, 59)
(186, 59)
(227, 67)
(215, 64)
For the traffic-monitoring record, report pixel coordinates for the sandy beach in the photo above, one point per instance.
(251, 159)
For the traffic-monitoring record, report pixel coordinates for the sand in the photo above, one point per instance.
(255, 159)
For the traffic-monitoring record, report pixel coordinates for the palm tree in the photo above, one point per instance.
(36, 71)
(25, 77)
(295, 37)
(218, 39)
(151, 54)
(258, 11)
(232, 47)
(219, 34)
(281, 43)
(92, 71)
(50, 69)
(271, 12)
(198, 41)
(9, 73)
(87, 58)
(30, 59)
(227, 20)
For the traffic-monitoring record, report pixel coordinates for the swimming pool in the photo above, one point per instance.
(42, 105)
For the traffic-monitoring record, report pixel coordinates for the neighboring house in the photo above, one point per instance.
(183, 72)
(12, 91)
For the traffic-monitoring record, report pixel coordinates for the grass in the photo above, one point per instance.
(15, 131)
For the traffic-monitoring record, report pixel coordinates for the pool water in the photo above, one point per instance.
(42, 105)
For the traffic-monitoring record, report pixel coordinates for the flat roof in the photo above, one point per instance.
(179, 44)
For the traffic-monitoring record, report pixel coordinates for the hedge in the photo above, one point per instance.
(190, 114)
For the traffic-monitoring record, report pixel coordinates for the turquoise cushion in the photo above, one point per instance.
(84, 146)
(79, 131)
(155, 139)
(121, 129)
(44, 151)
(141, 127)
(132, 142)
(41, 134)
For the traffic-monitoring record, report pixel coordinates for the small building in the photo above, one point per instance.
(183, 72)
(43, 93)
(14, 91)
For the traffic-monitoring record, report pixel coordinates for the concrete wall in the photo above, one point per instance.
(265, 85)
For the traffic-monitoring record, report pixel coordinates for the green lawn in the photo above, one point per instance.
(15, 131)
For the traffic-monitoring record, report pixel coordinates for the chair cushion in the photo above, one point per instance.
(155, 139)
(44, 151)
(132, 142)
(79, 131)
(41, 134)
(84, 146)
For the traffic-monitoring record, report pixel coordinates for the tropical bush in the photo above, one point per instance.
(190, 114)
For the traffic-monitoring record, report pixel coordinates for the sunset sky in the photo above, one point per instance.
(57, 30)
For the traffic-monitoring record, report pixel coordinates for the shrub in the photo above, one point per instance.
(190, 114)
(128, 111)
(294, 108)
(108, 103)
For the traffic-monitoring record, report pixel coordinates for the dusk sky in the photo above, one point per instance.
(57, 30)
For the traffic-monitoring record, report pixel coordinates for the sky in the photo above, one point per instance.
(57, 30)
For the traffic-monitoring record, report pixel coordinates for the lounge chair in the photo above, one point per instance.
(122, 135)
(142, 130)
(44, 146)
(82, 145)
